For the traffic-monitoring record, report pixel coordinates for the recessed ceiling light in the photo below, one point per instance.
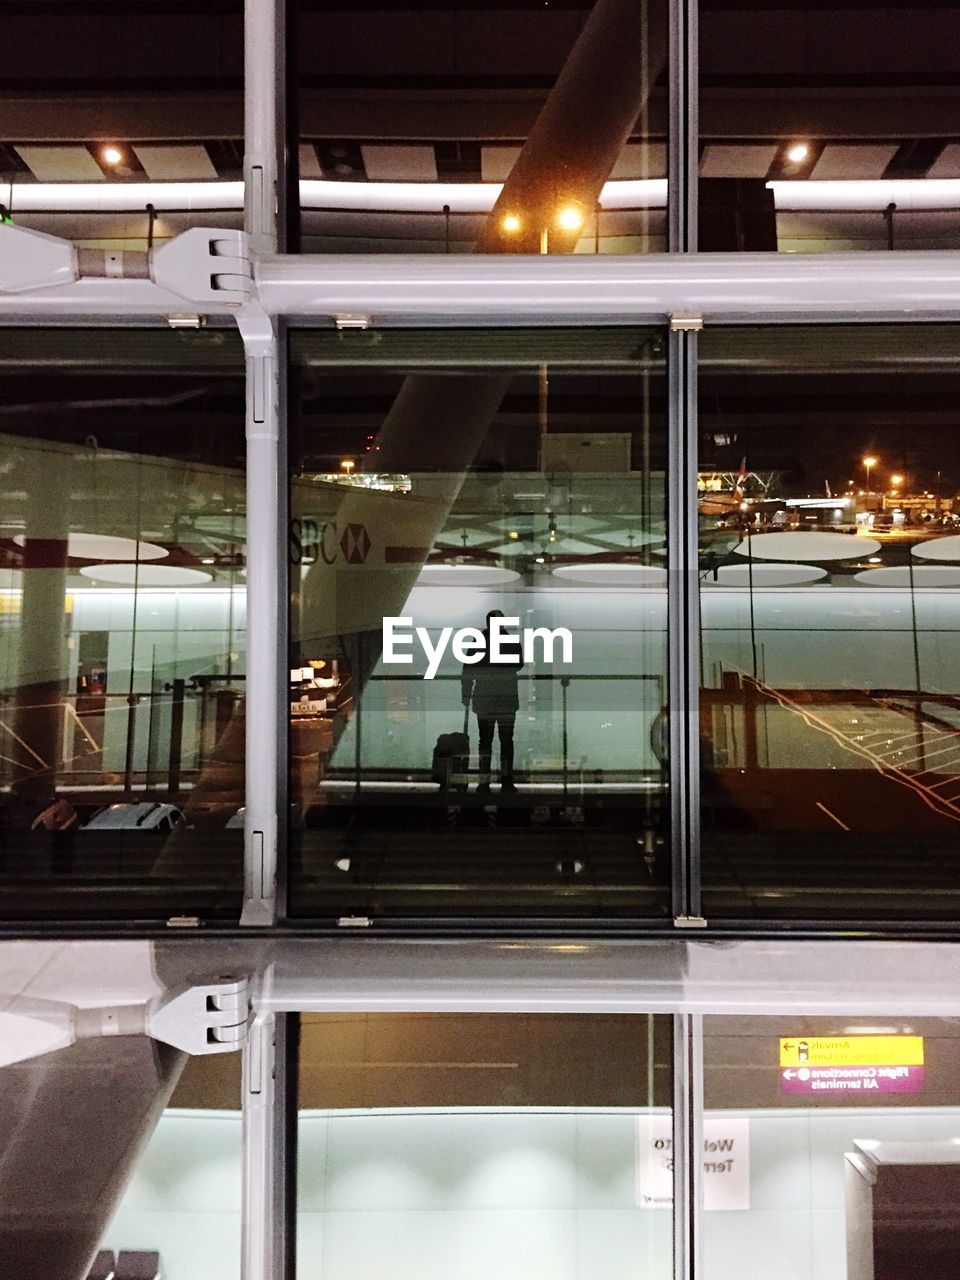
(798, 152)
(111, 155)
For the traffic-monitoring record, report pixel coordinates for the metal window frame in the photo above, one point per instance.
(904, 287)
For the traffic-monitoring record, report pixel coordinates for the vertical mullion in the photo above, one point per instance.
(683, 624)
(264, 62)
(264, 1251)
(263, 122)
(687, 1144)
(683, 129)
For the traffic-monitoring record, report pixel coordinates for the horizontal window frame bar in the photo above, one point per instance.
(479, 291)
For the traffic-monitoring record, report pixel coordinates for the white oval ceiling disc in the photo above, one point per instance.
(902, 575)
(806, 545)
(145, 575)
(465, 575)
(606, 574)
(762, 575)
(947, 548)
(105, 546)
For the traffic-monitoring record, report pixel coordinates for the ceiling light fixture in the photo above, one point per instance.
(111, 154)
(570, 217)
(798, 152)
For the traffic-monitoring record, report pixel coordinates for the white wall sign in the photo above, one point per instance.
(726, 1163)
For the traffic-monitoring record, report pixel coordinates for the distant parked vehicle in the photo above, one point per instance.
(145, 815)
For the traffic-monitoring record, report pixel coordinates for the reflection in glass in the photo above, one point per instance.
(121, 624)
(830, 711)
(426, 779)
(181, 1210)
(466, 1145)
(120, 133)
(829, 128)
(836, 1147)
(525, 128)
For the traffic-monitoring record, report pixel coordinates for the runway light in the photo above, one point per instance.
(570, 217)
(798, 152)
(111, 155)
(510, 223)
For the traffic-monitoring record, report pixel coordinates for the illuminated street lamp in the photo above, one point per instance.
(896, 481)
(868, 463)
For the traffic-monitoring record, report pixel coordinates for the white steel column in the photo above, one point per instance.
(266, 566)
(264, 758)
(263, 1253)
(263, 121)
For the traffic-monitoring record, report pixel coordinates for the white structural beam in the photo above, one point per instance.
(509, 975)
(676, 976)
(513, 289)
(585, 289)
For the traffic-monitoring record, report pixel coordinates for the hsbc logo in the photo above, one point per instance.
(311, 541)
(355, 543)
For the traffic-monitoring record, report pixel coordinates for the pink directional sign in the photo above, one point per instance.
(851, 1080)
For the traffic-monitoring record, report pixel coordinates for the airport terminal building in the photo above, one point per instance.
(479, 640)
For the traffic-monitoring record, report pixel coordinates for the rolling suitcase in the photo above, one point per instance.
(451, 758)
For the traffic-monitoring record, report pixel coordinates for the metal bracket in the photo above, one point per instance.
(212, 1017)
(689, 922)
(686, 324)
(206, 266)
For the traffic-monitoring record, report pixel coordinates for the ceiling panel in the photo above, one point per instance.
(178, 162)
(947, 163)
(745, 161)
(61, 164)
(400, 164)
(496, 162)
(639, 161)
(867, 160)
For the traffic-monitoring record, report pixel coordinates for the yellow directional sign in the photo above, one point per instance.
(851, 1051)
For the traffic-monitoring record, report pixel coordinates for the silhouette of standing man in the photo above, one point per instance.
(491, 688)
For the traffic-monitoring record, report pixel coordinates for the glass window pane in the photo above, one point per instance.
(122, 124)
(122, 624)
(831, 1147)
(182, 1202)
(438, 480)
(468, 1145)
(411, 117)
(830, 126)
(830, 589)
